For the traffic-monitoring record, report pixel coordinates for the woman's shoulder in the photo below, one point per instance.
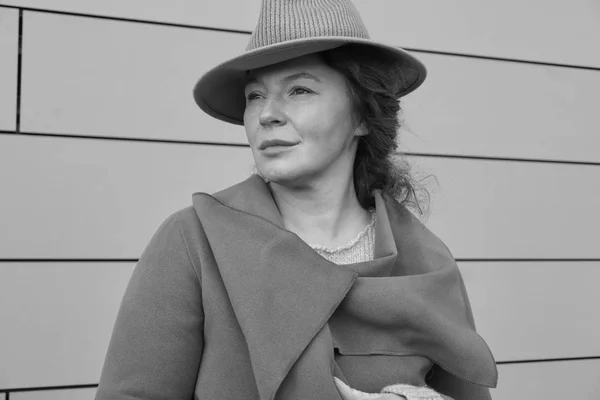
(182, 219)
(180, 230)
(188, 223)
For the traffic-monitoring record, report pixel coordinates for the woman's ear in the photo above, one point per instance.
(360, 130)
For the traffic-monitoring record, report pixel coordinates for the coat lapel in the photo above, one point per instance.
(281, 291)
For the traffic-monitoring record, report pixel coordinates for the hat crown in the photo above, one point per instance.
(284, 20)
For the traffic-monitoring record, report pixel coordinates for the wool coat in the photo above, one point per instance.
(226, 304)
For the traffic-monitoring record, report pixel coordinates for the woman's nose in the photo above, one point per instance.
(271, 114)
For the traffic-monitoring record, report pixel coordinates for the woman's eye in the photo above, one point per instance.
(300, 90)
(252, 96)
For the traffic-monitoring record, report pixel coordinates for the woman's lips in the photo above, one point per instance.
(275, 143)
(277, 149)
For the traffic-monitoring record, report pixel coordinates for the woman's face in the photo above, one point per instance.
(299, 122)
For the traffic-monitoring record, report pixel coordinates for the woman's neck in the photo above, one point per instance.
(325, 213)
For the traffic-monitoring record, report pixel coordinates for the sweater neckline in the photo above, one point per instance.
(352, 242)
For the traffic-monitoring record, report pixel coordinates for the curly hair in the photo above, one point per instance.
(374, 82)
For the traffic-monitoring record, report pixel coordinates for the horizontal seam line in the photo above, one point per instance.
(238, 31)
(484, 260)
(124, 139)
(547, 360)
(503, 59)
(44, 388)
(225, 144)
(52, 260)
(527, 259)
(512, 159)
(544, 360)
(125, 19)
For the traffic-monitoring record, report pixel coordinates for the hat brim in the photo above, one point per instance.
(220, 91)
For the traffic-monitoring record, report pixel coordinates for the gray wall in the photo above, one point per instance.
(507, 121)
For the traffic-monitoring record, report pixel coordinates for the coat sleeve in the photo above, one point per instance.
(156, 344)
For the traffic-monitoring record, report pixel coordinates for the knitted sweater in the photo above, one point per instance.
(359, 249)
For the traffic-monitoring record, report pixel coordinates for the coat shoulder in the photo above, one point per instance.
(186, 222)
(180, 238)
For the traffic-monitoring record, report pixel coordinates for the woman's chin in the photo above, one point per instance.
(281, 176)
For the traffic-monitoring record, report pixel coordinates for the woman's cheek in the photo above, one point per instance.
(250, 124)
(250, 113)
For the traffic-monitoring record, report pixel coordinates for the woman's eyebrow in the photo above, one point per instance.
(301, 75)
(288, 78)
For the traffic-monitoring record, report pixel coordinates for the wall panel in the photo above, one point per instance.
(112, 78)
(541, 30)
(72, 394)
(536, 310)
(60, 330)
(549, 381)
(468, 26)
(501, 109)
(188, 12)
(495, 209)
(103, 199)
(9, 47)
(498, 209)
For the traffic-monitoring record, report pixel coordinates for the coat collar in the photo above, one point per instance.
(253, 196)
(273, 278)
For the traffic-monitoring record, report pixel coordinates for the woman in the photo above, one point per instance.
(311, 280)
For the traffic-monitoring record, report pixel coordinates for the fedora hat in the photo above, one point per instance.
(287, 29)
